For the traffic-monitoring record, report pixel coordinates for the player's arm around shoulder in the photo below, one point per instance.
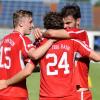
(50, 33)
(36, 53)
(59, 33)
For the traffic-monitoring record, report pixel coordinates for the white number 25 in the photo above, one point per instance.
(61, 64)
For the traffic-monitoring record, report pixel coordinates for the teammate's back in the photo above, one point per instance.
(57, 68)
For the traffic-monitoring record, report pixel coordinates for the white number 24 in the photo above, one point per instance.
(6, 57)
(61, 64)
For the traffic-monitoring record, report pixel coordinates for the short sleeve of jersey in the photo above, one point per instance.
(29, 43)
(81, 47)
(78, 34)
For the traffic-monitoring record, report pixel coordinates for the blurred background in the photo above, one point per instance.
(90, 21)
(90, 10)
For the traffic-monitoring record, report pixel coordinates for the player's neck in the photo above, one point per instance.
(19, 30)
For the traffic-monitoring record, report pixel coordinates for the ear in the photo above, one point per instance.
(78, 22)
(63, 19)
(20, 24)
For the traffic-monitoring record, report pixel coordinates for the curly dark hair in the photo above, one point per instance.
(53, 20)
(71, 9)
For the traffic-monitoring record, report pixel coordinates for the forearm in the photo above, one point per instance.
(64, 34)
(95, 56)
(39, 52)
(59, 34)
(21, 75)
(17, 78)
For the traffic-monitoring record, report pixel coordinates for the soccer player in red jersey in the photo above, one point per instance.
(58, 65)
(71, 16)
(15, 48)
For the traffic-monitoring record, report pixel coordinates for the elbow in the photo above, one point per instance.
(35, 56)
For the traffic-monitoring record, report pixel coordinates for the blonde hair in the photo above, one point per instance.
(18, 15)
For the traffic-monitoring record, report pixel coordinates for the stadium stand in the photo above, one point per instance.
(39, 9)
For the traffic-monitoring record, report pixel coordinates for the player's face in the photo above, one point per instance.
(27, 25)
(70, 22)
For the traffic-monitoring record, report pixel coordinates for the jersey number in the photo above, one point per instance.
(7, 64)
(61, 64)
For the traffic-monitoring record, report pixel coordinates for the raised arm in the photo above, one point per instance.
(51, 33)
(61, 34)
(64, 34)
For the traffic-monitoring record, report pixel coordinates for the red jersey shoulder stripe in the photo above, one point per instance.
(82, 44)
(24, 43)
(80, 31)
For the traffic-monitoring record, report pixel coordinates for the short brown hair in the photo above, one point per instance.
(53, 20)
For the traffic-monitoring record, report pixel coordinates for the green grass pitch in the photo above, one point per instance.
(33, 83)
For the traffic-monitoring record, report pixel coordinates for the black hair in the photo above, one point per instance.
(72, 10)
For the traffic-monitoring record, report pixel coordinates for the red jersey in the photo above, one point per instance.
(13, 50)
(79, 34)
(82, 65)
(57, 67)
